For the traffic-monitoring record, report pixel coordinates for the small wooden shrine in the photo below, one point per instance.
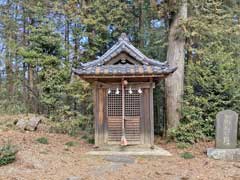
(123, 80)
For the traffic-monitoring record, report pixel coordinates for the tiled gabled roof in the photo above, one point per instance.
(126, 69)
(100, 66)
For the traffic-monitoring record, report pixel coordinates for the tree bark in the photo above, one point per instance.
(32, 77)
(66, 38)
(141, 24)
(175, 57)
(9, 33)
(9, 72)
(24, 43)
(76, 45)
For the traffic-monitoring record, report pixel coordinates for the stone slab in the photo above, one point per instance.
(74, 178)
(120, 159)
(224, 154)
(157, 151)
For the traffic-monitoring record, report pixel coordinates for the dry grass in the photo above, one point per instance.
(57, 161)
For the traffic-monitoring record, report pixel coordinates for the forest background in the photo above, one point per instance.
(41, 41)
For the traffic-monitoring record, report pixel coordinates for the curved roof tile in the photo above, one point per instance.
(147, 65)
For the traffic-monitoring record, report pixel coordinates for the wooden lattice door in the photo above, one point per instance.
(132, 116)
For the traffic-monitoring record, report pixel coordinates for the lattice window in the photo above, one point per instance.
(114, 102)
(132, 103)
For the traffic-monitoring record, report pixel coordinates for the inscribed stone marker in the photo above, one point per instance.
(226, 129)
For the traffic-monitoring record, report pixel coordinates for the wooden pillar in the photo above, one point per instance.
(147, 128)
(142, 119)
(147, 118)
(151, 114)
(95, 110)
(100, 116)
(98, 100)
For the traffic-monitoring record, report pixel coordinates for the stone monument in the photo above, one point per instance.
(226, 129)
(226, 137)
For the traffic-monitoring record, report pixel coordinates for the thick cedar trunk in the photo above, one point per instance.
(175, 58)
(33, 91)
(32, 76)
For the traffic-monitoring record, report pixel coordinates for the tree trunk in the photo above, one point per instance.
(9, 72)
(25, 98)
(31, 88)
(32, 77)
(141, 24)
(8, 32)
(175, 57)
(24, 33)
(76, 45)
(1, 74)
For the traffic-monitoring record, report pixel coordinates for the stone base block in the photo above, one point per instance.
(131, 151)
(224, 154)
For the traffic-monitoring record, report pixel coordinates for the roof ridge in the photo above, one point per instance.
(123, 44)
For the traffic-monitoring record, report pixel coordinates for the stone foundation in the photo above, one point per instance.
(224, 154)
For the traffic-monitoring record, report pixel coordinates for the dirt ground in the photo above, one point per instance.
(55, 161)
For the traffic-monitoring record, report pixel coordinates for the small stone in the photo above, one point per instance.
(33, 123)
(22, 124)
(74, 178)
